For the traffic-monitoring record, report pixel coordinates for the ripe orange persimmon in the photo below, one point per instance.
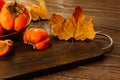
(5, 47)
(37, 37)
(14, 16)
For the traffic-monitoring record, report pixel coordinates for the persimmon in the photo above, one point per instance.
(14, 16)
(2, 2)
(5, 47)
(1, 30)
(37, 37)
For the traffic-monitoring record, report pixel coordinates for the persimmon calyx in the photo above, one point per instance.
(9, 42)
(28, 42)
(15, 9)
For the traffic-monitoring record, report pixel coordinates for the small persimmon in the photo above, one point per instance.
(5, 47)
(14, 16)
(37, 37)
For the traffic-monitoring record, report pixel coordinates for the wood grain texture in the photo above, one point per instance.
(25, 62)
(106, 14)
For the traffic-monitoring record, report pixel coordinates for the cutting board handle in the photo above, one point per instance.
(109, 46)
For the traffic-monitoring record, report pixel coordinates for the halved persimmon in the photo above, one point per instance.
(37, 37)
(5, 47)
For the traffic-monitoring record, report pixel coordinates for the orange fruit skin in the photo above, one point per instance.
(20, 22)
(26, 37)
(5, 48)
(1, 30)
(37, 37)
(9, 23)
(42, 45)
(6, 19)
(2, 2)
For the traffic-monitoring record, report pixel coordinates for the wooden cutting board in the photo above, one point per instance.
(24, 62)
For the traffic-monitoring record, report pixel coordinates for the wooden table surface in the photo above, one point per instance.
(106, 14)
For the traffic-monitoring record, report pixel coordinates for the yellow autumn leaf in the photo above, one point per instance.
(57, 26)
(39, 11)
(35, 11)
(76, 26)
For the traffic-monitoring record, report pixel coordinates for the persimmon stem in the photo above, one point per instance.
(72, 40)
(15, 9)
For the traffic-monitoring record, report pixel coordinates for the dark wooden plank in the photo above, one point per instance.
(25, 60)
(106, 18)
(83, 73)
(106, 14)
(106, 69)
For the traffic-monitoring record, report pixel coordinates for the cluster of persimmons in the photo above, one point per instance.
(15, 17)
